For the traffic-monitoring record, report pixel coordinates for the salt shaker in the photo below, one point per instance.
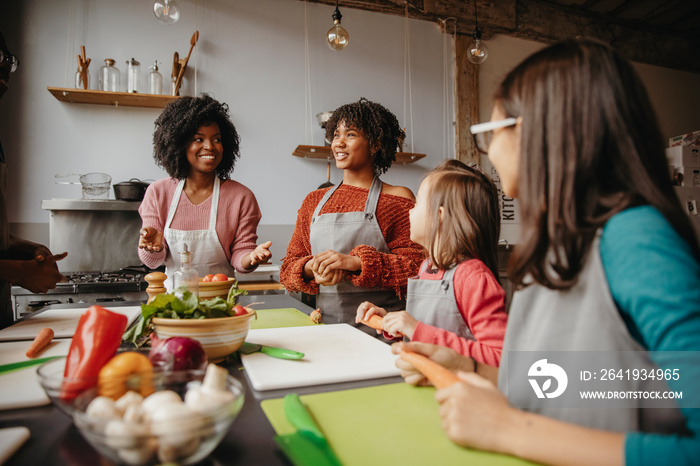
(132, 75)
(109, 76)
(155, 80)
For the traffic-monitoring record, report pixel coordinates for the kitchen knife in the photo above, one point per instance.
(280, 353)
(307, 446)
(21, 365)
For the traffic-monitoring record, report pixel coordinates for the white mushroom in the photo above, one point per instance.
(212, 393)
(122, 434)
(102, 408)
(158, 399)
(141, 455)
(130, 398)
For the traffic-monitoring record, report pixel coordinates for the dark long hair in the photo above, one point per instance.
(379, 126)
(590, 148)
(179, 121)
(471, 225)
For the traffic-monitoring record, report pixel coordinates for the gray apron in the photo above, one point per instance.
(582, 319)
(341, 232)
(433, 302)
(6, 315)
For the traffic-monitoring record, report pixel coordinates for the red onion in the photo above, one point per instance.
(177, 354)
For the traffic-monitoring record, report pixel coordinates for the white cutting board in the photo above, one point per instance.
(333, 354)
(21, 389)
(63, 322)
(11, 438)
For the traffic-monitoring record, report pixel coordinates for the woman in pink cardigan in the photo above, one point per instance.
(196, 143)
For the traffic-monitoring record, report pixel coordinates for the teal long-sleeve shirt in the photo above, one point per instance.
(654, 279)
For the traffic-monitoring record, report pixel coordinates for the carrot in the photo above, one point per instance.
(41, 341)
(375, 321)
(438, 375)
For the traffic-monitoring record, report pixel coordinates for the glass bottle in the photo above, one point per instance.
(109, 76)
(186, 276)
(132, 75)
(155, 80)
(79, 79)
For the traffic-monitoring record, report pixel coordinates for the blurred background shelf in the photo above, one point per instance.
(124, 99)
(324, 153)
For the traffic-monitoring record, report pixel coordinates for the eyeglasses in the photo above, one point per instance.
(12, 60)
(483, 132)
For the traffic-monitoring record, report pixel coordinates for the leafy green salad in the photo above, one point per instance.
(180, 304)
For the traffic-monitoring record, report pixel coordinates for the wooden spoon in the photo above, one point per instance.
(178, 83)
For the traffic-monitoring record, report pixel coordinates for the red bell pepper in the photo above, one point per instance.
(95, 341)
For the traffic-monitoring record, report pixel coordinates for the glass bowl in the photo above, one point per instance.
(185, 438)
(61, 391)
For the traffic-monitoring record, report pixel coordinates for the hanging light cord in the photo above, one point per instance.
(407, 76)
(308, 117)
(446, 55)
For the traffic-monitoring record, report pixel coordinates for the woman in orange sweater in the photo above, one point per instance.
(352, 242)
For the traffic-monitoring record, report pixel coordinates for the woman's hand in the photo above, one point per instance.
(40, 275)
(400, 323)
(324, 263)
(474, 413)
(333, 278)
(259, 255)
(151, 239)
(442, 355)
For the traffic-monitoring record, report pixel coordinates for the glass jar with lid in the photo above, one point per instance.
(133, 69)
(109, 76)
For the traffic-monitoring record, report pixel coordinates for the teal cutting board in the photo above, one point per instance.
(385, 424)
(276, 318)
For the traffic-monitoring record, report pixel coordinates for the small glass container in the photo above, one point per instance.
(133, 70)
(187, 276)
(155, 80)
(79, 79)
(109, 76)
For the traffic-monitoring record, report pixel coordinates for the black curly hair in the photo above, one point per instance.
(177, 124)
(379, 126)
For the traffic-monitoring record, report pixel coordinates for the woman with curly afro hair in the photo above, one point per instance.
(352, 242)
(196, 143)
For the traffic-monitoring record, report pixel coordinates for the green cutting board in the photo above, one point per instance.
(275, 318)
(385, 424)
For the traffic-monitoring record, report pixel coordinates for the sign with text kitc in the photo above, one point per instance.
(510, 211)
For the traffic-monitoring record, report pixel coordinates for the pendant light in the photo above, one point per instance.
(166, 11)
(337, 36)
(478, 52)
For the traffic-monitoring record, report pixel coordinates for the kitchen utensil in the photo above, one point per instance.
(328, 183)
(182, 69)
(82, 75)
(273, 351)
(13, 366)
(384, 424)
(332, 354)
(308, 444)
(132, 190)
(94, 185)
(275, 318)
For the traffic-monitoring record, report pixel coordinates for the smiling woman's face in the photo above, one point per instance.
(504, 153)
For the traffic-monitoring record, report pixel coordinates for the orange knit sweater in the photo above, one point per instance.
(388, 270)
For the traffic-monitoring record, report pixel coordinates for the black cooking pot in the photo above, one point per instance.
(132, 190)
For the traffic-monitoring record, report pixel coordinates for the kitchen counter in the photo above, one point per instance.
(55, 440)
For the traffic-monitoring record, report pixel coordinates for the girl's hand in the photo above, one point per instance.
(367, 310)
(261, 254)
(442, 355)
(151, 239)
(474, 413)
(400, 323)
(333, 278)
(322, 264)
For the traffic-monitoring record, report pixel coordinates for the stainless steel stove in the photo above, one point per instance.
(126, 284)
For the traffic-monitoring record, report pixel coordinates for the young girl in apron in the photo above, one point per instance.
(352, 241)
(607, 270)
(456, 300)
(198, 205)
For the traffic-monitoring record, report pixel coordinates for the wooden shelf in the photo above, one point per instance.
(324, 153)
(117, 99)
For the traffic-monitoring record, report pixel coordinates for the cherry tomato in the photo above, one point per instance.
(208, 277)
(219, 277)
(240, 310)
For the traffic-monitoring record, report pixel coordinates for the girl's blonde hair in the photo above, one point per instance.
(471, 225)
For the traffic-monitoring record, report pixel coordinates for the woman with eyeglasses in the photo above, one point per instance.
(24, 263)
(607, 276)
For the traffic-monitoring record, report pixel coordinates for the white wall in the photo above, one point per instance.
(250, 54)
